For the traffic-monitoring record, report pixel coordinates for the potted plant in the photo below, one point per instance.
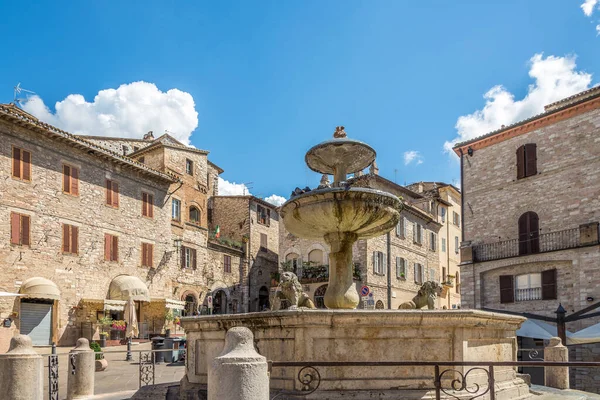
(103, 337)
(101, 363)
(168, 319)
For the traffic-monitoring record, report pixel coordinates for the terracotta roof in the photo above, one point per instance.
(249, 197)
(571, 99)
(13, 114)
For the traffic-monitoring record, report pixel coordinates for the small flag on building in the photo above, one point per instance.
(217, 232)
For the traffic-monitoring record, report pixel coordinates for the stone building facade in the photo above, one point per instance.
(85, 228)
(411, 249)
(532, 205)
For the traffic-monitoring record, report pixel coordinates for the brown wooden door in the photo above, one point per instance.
(529, 233)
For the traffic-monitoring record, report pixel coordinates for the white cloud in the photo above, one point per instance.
(131, 110)
(554, 78)
(412, 155)
(597, 30)
(275, 199)
(227, 188)
(588, 7)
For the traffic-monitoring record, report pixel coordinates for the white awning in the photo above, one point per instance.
(591, 334)
(7, 294)
(175, 304)
(40, 288)
(114, 305)
(536, 329)
(125, 287)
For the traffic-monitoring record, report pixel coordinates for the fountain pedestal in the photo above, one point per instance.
(341, 292)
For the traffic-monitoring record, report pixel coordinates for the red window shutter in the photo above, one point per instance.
(144, 204)
(108, 192)
(530, 159)
(74, 240)
(107, 245)
(150, 205)
(75, 181)
(115, 196)
(149, 256)
(521, 162)
(25, 230)
(16, 170)
(115, 248)
(15, 228)
(26, 158)
(66, 241)
(507, 292)
(66, 179)
(549, 284)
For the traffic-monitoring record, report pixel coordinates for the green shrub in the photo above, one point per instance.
(96, 347)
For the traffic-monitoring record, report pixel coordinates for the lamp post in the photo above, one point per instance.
(128, 357)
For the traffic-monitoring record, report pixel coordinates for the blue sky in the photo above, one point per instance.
(269, 79)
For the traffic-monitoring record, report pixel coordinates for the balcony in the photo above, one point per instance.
(584, 235)
(528, 294)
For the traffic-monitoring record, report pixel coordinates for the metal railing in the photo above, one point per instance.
(450, 381)
(546, 242)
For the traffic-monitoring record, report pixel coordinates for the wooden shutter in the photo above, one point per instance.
(534, 232)
(415, 232)
(66, 240)
(25, 230)
(115, 249)
(416, 272)
(26, 163)
(524, 234)
(183, 262)
(521, 162)
(507, 291)
(15, 228)
(75, 181)
(74, 240)
(150, 254)
(144, 204)
(375, 269)
(150, 205)
(107, 245)
(530, 159)
(194, 258)
(16, 163)
(422, 273)
(549, 284)
(115, 194)
(144, 263)
(108, 192)
(66, 179)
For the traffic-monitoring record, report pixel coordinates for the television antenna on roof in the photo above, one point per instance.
(247, 186)
(17, 91)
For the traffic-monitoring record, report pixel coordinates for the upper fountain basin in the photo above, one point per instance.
(365, 212)
(348, 155)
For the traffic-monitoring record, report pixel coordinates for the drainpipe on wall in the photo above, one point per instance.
(462, 195)
(389, 270)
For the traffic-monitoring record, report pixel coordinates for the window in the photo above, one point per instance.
(417, 233)
(188, 257)
(293, 259)
(227, 263)
(176, 210)
(70, 239)
(443, 213)
(432, 241)
(125, 150)
(378, 263)
(112, 193)
(526, 161)
(529, 233)
(263, 242)
(111, 247)
(147, 251)
(71, 180)
(147, 205)
(20, 229)
(194, 215)
(135, 148)
(141, 160)
(189, 167)
(455, 218)
(419, 273)
(525, 287)
(263, 215)
(401, 228)
(315, 257)
(21, 165)
(456, 245)
(443, 245)
(400, 268)
(432, 274)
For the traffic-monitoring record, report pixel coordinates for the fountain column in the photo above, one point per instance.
(341, 290)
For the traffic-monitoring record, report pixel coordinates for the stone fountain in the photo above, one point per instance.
(341, 214)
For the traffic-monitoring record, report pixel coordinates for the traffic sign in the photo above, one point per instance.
(364, 291)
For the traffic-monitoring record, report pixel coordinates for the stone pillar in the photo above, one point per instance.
(239, 372)
(81, 383)
(21, 371)
(556, 377)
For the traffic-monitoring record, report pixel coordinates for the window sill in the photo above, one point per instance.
(400, 278)
(21, 179)
(64, 253)
(109, 206)
(70, 194)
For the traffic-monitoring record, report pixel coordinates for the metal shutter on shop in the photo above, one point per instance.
(36, 322)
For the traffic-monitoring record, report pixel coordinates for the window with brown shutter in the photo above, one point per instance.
(147, 205)
(147, 252)
(70, 239)
(507, 291)
(529, 233)
(549, 284)
(112, 193)
(70, 180)
(21, 164)
(188, 257)
(526, 160)
(263, 215)
(111, 247)
(227, 263)
(19, 229)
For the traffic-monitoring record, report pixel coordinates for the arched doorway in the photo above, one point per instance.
(320, 296)
(529, 233)
(220, 302)
(263, 299)
(191, 305)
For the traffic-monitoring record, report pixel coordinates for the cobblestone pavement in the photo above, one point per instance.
(120, 376)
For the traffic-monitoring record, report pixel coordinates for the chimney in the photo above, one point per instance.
(149, 136)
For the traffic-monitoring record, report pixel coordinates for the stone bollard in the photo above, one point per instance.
(556, 377)
(21, 370)
(239, 372)
(80, 383)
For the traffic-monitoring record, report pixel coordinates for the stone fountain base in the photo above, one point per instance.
(366, 335)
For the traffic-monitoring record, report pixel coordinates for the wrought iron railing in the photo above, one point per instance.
(545, 242)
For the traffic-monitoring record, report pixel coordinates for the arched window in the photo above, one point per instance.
(319, 296)
(529, 233)
(315, 257)
(194, 215)
(293, 259)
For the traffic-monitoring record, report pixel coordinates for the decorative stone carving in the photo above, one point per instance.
(324, 182)
(425, 297)
(290, 289)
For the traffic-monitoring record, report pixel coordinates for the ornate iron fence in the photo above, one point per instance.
(53, 377)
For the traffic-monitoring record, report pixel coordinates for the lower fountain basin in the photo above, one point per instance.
(365, 212)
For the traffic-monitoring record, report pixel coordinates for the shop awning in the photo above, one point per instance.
(40, 288)
(7, 294)
(536, 329)
(125, 287)
(114, 305)
(175, 304)
(591, 334)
